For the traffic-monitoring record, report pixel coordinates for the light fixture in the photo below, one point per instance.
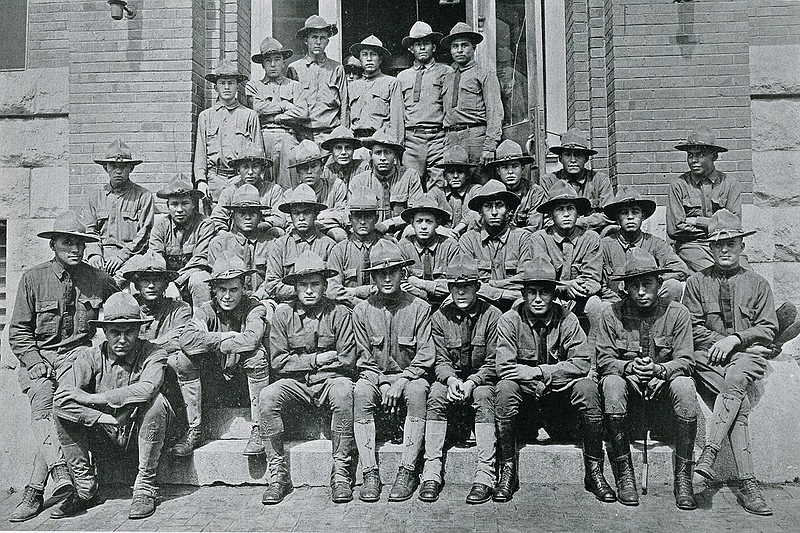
(117, 8)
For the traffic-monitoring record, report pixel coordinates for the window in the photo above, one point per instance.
(512, 60)
(13, 34)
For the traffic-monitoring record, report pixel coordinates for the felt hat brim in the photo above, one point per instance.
(120, 321)
(511, 200)
(558, 150)
(225, 276)
(287, 207)
(475, 37)
(640, 273)
(259, 58)
(323, 157)
(193, 193)
(442, 215)
(240, 207)
(132, 162)
(583, 205)
(523, 159)
(388, 265)
(213, 77)
(685, 147)
(327, 144)
(330, 28)
(168, 275)
(355, 50)
(455, 164)
(434, 36)
(724, 235)
(51, 234)
(289, 279)
(369, 142)
(647, 206)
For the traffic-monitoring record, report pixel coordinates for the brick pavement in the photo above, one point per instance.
(535, 507)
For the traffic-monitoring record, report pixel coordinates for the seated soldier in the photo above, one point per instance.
(575, 254)
(244, 240)
(543, 356)
(629, 210)
(353, 69)
(394, 186)
(510, 164)
(302, 206)
(313, 355)
(112, 391)
(332, 193)
(430, 251)
(645, 353)
(121, 213)
(225, 332)
(342, 145)
(251, 166)
(595, 186)
(497, 246)
(457, 191)
(464, 333)
(182, 239)
(395, 354)
(350, 257)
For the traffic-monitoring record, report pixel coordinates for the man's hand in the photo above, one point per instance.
(202, 186)
(40, 370)
(575, 288)
(468, 388)
(77, 395)
(487, 157)
(114, 264)
(97, 262)
(720, 351)
(326, 358)
(644, 368)
(455, 389)
(416, 282)
(326, 223)
(391, 399)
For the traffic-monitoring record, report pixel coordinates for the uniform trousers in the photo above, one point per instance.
(424, 150)
(679, 392)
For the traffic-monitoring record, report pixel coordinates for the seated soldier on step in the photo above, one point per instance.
(457, 191)
(510, 166)
(344, 164)
(313, 355)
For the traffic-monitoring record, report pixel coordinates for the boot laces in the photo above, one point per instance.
(751, 489)
(30, 496)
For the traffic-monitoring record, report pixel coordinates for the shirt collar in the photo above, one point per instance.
(423, 66)
(502, 236)
(713, 178)
(59, 270)
(109, 189)
(626, 244)
(534, 321)
(312, 236)
(370, 241)
(278, 81)
(218, 105)
(418, 245)
(720, 273)
(468, 66)
(309, 59)
(393, 172)
(573, 235)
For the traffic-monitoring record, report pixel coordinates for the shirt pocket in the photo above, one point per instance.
(47, 318)
(471, 96)
(212, 140)
(628, 347)
(477, 353)
(748, 315)
(664, 350)
(326, 342)
(330, 95)
(128, 225)
(454, 347)
(88, 309)
(510, 266)
(407, 348)
(380, 103)
(377, 345)
(692, 205)
(350, 277)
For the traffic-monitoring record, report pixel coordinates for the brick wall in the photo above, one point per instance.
(47, 34)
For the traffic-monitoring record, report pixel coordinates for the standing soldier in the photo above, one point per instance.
(313, 356)
(645, 354)
(121, 213)
(322, 79)
(510, 165)
(353, 69)
(543, 355)
(281, 106)
(395, 354)
(457, 190)
(574, 154)
(376, 100)
(464, 333)
(182, 239)
(696, 195)
(344, 163)
(48, 328)
(221, 131)
(422, 85)
(473, 110)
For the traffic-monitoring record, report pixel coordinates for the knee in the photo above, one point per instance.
(198, 279)
(184, 367)
(586, 396)
(416, 394)
(270, 399)
(437, 402)
(736, 380)
(363, 399)
(341, 394)
(614, 394)
(155, 415)
(483, 398)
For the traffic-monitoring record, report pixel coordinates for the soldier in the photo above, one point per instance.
(574, 154)
(645, 354)
(251, 165)
(121, 213)
(734, 322)
(112, 390)
(182, 239)
(323, 80)
(510, 165)
(281, 106)
(313, 355)
(245, 240)
(457, 191)
(513, 86)
(628, 210)
(221, 131)
(302, 206)
(344, 164)
(395, 354)
(422, 86)
(473, 110)
(696, 195)
(349, 258)
(330, 191)
(225, 332)
(353, 69)
(464, 333)
(48, 328)
(543, 356)
(376, 100)
(394, 186)
(498, 247)
(430, 251)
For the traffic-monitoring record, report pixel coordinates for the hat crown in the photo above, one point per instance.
(420, 29)
(117, 150)
(372, 40)
(342, 132)
(537, 269)
(228, 263)
(639, 261)
(149, 261)
(226, 69)
(491, 188)
(121, 306)
(302, 194)
(509, 149)
(702, 136)
(462, 268)
(315, 22)
(575, 138)
(724, 221)
(461, 27)
(424, 201)
(179, 186)
(249, 150)
(561, 190)
(271, 45)
(69, 222)
(627, 194)
(382, 136)
(246, 195)
(307, 150)
(352, 62)
(455, 155)
(309, 263)
(385, 252)
(364, 199)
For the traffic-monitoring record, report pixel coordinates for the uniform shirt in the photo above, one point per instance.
(252, 250)
(466, 342)
(393, 338)
(427, 110)
(692, 197)
(325, 86)
(333, 193)
(555, 344)
(271, 195)
(377, 102)
(591, 184)
(752, 306)
(281, 255)
(456, 203)
(278, 102)
(616, 251)
(586, 262)
(135, 379)
(184, 247)
(345, 173)
(395, 191)
(53, 309)
(122, 218)
(526, 216)
(348, 258)
(221, 132)
(663, 331)
(440, 252)
(202, 333)
(298, 334)
(169, 318)
(498, 257)
(478, 103)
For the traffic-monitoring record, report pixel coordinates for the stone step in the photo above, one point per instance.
(221, 461)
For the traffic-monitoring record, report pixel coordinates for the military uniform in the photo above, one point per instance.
(531, 195)
(456, 201)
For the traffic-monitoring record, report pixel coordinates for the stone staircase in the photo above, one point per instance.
(3, 262)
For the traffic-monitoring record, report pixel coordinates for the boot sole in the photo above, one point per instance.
(763, 513)
(17, 520)
(62, 491)
(478, 502)
(369, 499)
(598, 498)
(427, 499)
(629, 504)
(253, 454)
(139, 517)
(708, 474)
(686, 507)
(400, 499)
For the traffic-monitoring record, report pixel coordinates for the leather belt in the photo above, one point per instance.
(461, 127)
(425, 129)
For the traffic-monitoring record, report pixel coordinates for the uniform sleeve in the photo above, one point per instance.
(344, 107)
(607, 362)
(144, 390)
(80, 375)
(200, 154)
(591, 263)
(284, 361)
(196, 339)
(158, 238)
(146, 215)
(273, 286)
(487, 373)
(22, 328)
(295, 112)
(443, 367)
(494, 111)
(507, 367)
(366, 364)
(682, 363)
(734, 203)
(337, 203)
(676, 215)
(345, 342)
(764, 321)
(426, 354)
(170, 339)
(692, 298)
(667, 258)
(220, 215)
(252, 334)
(577, 363)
